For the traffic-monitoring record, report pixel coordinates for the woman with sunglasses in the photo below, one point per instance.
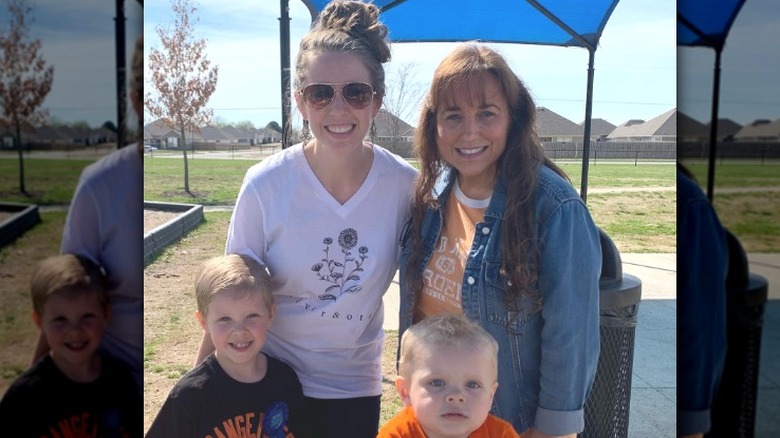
(499, 233)
(325, 216)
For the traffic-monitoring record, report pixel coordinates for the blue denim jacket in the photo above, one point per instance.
(547, 362)
(702, 264)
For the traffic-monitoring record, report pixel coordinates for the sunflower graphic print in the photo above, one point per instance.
(340, 266)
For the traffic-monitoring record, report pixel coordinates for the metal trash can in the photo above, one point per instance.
(607, 406)
(733, 411)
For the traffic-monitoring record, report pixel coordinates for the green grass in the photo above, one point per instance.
(213, 182)
(216, 182)
(47, 181)
(621, 175)
(648, 226)
(752, 217)
(750, 214)
(18, 259)
(390, 403)
(737, 175)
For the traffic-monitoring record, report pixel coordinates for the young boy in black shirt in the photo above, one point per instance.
(73, 390)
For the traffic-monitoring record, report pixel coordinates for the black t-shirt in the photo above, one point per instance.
(42, 402)
(206, 402)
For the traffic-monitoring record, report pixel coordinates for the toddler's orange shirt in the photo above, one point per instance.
(405, 425)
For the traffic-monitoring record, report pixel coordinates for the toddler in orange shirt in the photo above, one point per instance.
(448, 375)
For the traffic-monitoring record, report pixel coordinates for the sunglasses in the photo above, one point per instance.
(357, 95)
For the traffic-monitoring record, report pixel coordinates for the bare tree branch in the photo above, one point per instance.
(25, 78)
(182, 79)
(402, 101)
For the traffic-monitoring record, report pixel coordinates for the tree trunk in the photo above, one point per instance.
(18, 140)
(186, 168)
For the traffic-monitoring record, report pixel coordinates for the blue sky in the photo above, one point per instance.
(750, 63)
(77, 38)
(635, 64)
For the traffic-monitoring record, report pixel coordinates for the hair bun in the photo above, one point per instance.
(361, 21)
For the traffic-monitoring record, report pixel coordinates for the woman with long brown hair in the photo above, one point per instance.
(499, 233)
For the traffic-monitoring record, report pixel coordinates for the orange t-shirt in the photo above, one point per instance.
(405, 425)
(443, 276)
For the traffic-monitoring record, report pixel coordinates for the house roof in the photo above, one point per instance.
(761, 128)
(549, 123)
(599, 127)
(212, 133)
(269, 133)
(236, 132)
(665, 124)
(688, 127)
(726, 128)
(158, 129)
(48, 133)
(384, 123)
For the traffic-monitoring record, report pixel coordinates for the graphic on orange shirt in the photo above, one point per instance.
(443, 276)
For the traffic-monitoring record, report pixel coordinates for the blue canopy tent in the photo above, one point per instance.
(564, 23)
(706, 23)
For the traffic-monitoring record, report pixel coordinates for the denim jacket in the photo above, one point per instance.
(547, 361)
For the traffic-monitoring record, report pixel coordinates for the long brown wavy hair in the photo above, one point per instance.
(470, 64)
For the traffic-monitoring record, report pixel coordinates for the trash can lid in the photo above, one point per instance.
(627, 292)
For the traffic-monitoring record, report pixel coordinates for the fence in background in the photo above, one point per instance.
(730, 150)
(613, 151)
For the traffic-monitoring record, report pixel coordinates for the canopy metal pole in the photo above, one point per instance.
(714, 124)
(284, 40)
(586, 134)
(589, 98)
(121, 75)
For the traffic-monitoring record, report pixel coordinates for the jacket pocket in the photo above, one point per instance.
(495, 301)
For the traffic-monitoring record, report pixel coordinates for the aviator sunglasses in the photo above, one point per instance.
(357, 95)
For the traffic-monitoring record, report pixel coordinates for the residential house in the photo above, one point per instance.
(215, 135)
(266, 135)
(392, 133)
(727, 128)
(247, 136)
(552, 127)
(599, 129)
(761, 130)
(158, 134)
(658, 129)
(690, 129)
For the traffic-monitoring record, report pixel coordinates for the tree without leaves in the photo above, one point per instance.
(402, 98)
(182, 77)
(25, 79)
